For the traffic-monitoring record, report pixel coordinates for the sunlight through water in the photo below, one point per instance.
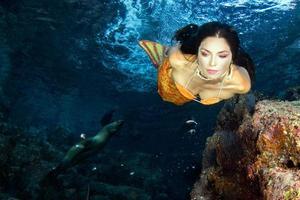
(157, 20)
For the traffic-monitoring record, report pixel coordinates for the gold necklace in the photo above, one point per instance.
(201, 76)
(192, 76)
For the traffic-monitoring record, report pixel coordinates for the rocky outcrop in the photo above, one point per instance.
(254, 153)
(26, 157)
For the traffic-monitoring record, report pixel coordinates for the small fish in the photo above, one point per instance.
(191, 131)
(94, 169)
(191, 121)
(189, 126)
(132, 173)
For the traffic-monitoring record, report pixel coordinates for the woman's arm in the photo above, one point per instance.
(177, 59)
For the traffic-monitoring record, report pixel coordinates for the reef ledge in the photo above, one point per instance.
(254, 152)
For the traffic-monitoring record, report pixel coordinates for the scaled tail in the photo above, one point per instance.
(154, 50)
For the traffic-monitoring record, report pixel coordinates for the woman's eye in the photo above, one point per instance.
(223, 56)
(204, 54)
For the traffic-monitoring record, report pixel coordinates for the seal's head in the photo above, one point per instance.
(114, 126)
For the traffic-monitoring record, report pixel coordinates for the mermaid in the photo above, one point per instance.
(207, 65)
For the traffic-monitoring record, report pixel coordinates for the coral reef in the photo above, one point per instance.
(254, 153)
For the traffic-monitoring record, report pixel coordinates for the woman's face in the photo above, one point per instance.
(214, 57)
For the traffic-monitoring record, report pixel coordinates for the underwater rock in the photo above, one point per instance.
(27, 154)
(60, 137)
(259, 158)
(281, 183)
(292, 94)
(23, 160)
(118, 192)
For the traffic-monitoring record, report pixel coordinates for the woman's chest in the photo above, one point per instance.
(203, 88)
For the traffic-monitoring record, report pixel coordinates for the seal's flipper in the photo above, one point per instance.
(154, 50)
(107, 117)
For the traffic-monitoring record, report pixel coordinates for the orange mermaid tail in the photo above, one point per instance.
(154, 50)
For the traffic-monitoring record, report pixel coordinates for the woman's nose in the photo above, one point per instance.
(213, 61)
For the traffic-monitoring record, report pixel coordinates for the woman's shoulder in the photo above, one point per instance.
(241, 78)
(178, 59)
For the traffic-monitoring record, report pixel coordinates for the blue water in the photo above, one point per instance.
(71, 64)
(264, 28)
(268, 31)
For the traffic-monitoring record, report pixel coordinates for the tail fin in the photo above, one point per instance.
(107, 117)
(154, 50)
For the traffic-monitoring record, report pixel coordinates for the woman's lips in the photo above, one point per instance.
(212, 71)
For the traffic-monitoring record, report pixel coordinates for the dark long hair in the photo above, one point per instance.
(191, 36)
